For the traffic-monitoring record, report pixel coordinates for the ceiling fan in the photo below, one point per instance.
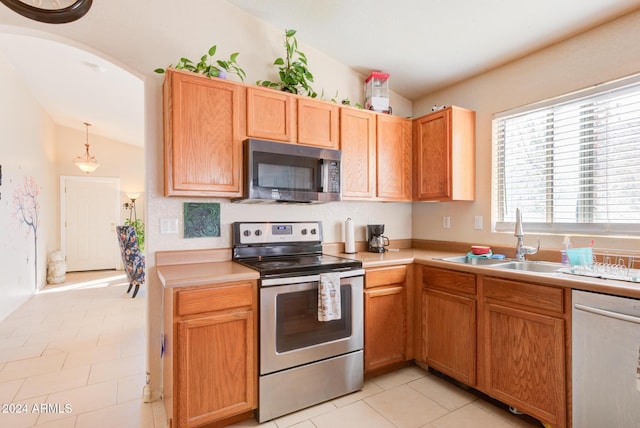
(50, 11)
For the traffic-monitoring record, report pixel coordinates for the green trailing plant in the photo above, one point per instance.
(138, 225)
(293, 70)
(347, 102)
(210, 67)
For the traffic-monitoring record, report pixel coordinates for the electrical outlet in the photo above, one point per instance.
(446, 222)
(477, 225)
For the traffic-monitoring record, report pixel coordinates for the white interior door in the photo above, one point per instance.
(90, 212)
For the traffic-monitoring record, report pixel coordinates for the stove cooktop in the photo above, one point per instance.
(295, 265)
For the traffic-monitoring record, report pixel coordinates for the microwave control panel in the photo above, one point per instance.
(333, 176)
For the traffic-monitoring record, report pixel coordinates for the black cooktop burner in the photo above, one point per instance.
(295, 265)
(274, 265)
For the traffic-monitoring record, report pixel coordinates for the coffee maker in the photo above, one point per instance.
(376, 242)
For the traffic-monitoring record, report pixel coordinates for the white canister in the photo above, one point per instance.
(349, 237)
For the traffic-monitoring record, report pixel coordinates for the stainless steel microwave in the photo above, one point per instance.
(290, 172)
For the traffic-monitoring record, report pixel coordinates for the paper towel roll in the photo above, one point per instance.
(349, 237)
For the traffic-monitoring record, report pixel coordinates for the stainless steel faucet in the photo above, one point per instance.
(521, 249)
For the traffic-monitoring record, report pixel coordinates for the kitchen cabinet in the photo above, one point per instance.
(385, 317)
(358, 145)
(393, 156)
(270, 114)
(210, 363)
(203, 133)
(526, 331)
(449, 327)
(318, 123)
(444, 155)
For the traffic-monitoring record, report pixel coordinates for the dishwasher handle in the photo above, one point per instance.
(606, 313)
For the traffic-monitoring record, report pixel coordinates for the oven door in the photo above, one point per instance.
(290, 333)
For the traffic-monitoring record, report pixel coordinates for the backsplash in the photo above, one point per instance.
(396, 216)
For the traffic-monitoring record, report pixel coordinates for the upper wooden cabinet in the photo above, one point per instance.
(270, 114)
(318, 123)
(358, 145)
(203, 132)
(280, 116)
(393, 156)
(444, 155)
(384, 158)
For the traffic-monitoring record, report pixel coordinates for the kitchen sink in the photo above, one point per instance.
(522, 266)
(479, 261)
(538, 267)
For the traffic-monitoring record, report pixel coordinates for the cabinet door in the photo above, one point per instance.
(432, 156)
(203, 136)
(524, 358)
(449, 334)
(444, 155)
(216, 372)
(358, 145)
(393, 149)
(385, 329)
(318, 123)
(270, 114)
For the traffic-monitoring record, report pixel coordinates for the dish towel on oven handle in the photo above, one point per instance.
(329, 297)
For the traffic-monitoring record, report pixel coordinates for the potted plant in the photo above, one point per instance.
(294, 73)
(208, 67)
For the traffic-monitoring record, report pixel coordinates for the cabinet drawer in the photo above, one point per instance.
(518, 294)
(213, 298)
(385, 276)
(449, 280)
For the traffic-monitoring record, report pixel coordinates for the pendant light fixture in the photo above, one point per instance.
(86, 162)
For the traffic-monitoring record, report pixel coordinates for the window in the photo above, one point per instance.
(571, 164)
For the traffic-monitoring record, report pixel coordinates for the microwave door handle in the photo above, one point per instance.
(324, 176)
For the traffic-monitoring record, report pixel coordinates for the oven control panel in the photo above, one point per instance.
(275, 232)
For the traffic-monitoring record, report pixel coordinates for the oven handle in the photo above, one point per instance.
(308, 278)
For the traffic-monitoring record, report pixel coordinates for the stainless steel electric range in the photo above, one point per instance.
(303, 361)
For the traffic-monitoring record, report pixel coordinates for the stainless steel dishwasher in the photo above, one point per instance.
(606, 361)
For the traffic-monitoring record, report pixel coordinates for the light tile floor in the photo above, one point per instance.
(73, 356)
(407, 398)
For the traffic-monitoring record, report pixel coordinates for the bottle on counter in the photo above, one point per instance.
(566, 244)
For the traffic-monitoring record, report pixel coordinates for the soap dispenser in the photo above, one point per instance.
(566, 244)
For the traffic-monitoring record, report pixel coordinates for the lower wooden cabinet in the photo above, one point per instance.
(385, 312)
(525, 342)
(449, 323)
(506, 338)
(211, 353)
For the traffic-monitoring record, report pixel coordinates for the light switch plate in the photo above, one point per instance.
(446, 222)
(477, 225)
(168, 226)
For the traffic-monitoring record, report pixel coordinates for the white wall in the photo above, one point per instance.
(116, 159)
(605, 53)
(27, 151)
(33, 146)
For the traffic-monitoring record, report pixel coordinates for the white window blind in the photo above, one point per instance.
(571, 164)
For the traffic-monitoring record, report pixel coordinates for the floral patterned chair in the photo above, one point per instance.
(132, 257)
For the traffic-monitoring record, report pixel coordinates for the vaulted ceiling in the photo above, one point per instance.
(423, 44)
